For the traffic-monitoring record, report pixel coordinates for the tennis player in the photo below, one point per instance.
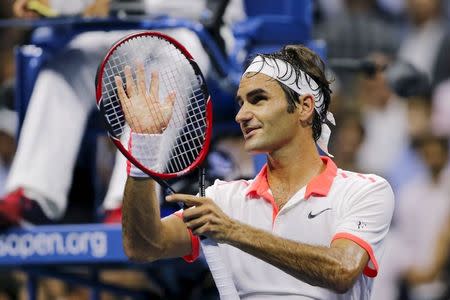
(302, 228)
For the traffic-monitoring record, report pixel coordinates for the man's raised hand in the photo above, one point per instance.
(143, 110)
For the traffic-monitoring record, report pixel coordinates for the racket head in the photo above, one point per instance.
(186, 139)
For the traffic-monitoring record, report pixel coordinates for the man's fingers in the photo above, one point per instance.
(170, 99)
(168, 108)
(120, 91)
(192, 213)
(198, 222)
(131, 89)
(124, 100)
(140, 77)
(154, 86)
(202, 230)
(188, 200)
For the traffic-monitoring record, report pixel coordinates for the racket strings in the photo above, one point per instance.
(191, 140)
(117, 65)
(184, 137)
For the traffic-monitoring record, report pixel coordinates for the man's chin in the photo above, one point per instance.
(254, 148)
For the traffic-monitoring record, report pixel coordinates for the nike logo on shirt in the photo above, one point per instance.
(312, 216)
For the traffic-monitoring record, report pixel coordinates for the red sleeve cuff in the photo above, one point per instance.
(368, 270)
(195, 243)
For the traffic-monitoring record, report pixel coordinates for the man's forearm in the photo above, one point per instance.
(315, 265)
(141, 223)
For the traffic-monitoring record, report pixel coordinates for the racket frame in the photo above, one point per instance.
(99, 97)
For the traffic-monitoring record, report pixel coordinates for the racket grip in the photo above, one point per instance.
(220, 272)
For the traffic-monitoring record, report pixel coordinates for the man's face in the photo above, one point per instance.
(263, 117)
(434, 156)
(375, 91)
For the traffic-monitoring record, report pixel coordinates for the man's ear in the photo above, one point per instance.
(306, 109)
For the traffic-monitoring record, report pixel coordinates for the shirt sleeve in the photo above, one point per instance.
(365, 218)
(195, 242)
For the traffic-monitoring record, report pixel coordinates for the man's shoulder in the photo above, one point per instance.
(363, 178)
(362, 191)
(356, 182)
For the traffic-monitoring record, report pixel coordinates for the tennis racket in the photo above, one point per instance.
(166, 116)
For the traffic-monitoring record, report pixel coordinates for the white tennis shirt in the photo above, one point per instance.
(333, 205)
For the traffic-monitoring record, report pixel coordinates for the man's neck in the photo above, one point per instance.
(289, 169)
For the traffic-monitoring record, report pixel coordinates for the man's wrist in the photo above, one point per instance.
(145, 149)
(234, 233)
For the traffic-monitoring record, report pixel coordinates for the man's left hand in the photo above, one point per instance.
(204, 217)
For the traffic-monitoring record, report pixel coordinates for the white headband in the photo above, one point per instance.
(283, 72)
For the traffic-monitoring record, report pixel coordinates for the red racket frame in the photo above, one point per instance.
(200, 158)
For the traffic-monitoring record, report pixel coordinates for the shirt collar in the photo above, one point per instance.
(318, 186)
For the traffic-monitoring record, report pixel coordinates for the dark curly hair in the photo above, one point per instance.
(303, 59)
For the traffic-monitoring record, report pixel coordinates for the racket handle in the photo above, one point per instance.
(201, 188)
(201, 181)
(220, 272)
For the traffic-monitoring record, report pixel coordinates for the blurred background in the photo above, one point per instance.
(389, 63)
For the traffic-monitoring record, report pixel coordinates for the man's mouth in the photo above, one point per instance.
(249, 131)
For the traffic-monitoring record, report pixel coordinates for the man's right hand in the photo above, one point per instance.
(142, 108)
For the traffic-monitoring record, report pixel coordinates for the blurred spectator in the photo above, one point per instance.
(438, 267)
(427, 44)
(355, 33)
(419, 113)
(440, 112)
(8, 127)
(384, 118)
(408, 164)
(348, 138)
(327, 9)
(10, 37)
(7, 93)
(393, 7)
(422, 212)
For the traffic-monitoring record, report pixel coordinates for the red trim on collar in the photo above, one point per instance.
(319, 186)
(260, 188)
(259, 184)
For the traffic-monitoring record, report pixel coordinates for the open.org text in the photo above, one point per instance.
(43, 244)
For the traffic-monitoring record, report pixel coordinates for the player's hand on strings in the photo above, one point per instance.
(143, 110)
(204, 217)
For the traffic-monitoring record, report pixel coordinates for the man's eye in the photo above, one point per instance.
(257, 99)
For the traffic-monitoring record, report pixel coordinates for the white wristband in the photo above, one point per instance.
(145, 148)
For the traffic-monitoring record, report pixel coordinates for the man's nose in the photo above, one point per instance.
(243, 114)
